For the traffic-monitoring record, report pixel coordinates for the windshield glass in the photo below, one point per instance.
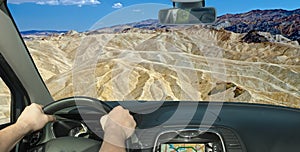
(117, 51)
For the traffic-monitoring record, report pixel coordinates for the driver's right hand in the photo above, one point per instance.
(118, 125)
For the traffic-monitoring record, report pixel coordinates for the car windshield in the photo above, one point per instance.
(119, 51)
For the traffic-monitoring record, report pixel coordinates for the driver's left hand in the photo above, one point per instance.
(33, 118)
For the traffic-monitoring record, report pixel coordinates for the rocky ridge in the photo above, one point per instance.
(272, 25)
(278, 21)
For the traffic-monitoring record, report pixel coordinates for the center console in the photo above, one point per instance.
(189, 140)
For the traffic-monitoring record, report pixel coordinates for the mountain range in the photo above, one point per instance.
(41, 32)
(276, 22)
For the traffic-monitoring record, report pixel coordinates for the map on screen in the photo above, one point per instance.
(182, 148)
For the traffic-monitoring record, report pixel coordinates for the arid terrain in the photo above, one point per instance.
(193, 63)
(196, 63)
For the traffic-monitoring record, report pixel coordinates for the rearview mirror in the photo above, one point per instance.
(173, 16)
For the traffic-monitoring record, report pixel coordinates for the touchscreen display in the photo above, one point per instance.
(182, 147)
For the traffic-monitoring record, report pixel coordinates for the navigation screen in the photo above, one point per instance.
(182, 148)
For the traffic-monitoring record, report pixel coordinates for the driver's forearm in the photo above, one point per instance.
(113, 141)
(107, 147)
(11, 135)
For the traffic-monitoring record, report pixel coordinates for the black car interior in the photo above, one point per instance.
(239, 127)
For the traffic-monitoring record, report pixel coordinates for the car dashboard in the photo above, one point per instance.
(237, 127)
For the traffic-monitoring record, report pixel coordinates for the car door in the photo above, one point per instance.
(13, 97)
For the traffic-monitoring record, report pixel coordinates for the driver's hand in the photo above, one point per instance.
(33, 118)
(118, 125)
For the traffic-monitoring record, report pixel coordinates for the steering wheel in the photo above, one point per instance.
(73, 143)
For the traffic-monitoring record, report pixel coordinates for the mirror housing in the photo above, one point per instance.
(188, 4)
(175, 16)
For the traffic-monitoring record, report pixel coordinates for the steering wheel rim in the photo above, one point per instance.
(53, 107)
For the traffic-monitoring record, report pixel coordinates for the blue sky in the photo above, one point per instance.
(81, 15)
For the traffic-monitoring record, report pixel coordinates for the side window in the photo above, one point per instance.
(5, 100)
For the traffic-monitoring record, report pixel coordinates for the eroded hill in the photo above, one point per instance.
(192, 63)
